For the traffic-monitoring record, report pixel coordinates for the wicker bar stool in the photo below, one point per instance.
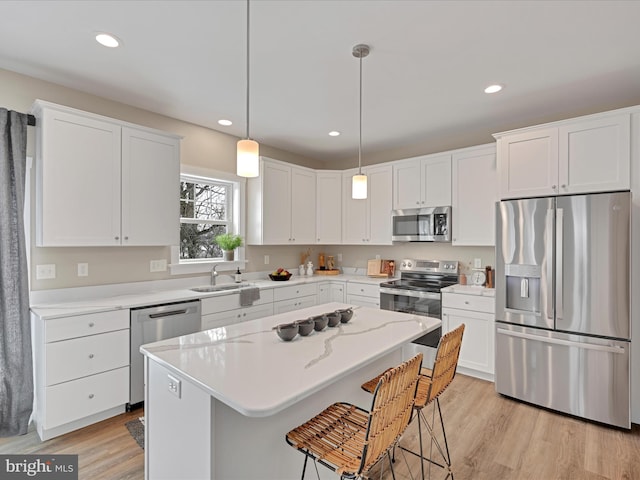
(430, 386)
(350, 440)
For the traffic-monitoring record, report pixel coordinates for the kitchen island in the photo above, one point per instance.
(219, 402)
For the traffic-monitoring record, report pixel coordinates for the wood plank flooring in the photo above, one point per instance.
(490, 437)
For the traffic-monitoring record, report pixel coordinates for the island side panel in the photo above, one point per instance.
(178, 433)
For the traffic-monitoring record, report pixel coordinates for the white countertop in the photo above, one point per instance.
(470, 290)
(249, 368)
(113, 299)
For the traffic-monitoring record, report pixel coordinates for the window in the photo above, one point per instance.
(206, 210)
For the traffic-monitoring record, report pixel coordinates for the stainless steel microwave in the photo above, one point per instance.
(422, 225)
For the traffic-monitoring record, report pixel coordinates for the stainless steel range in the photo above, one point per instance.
(418, 292)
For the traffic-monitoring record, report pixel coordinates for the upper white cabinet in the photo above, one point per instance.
(282, 205)
(328, 207)
(368, 221)
(582, 155)
(103, 182)
(475, 192)
(422, 182)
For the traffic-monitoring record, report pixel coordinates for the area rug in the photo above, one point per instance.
(136, 429)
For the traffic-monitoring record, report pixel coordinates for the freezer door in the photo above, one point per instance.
(583, 376)
(592, 264)
(524, 261)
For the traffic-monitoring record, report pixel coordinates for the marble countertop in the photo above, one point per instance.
(250, 369)
(470, 290)
(113, 299)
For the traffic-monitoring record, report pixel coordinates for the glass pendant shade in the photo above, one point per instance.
(248, 158)
(359, 187)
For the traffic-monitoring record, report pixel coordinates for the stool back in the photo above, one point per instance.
(446, 363)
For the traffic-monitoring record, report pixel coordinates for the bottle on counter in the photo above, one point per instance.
(238, 276)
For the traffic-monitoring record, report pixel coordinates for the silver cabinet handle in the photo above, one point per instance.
(563, 186)
(554, 187)
(91, 355)
(91, 324)
(91, 395)
(126, 238)
(117, 238)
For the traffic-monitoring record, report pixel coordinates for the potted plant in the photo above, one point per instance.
(228, 242)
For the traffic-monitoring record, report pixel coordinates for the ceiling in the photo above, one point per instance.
(422, 82)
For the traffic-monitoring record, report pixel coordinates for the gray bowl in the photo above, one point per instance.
(305, 327)
(320, 322)
(287, 331)
(334, 318)
(345, 314)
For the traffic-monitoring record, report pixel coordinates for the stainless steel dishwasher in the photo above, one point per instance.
(151, 324)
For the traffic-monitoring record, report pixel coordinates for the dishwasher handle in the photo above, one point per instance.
(168, 314)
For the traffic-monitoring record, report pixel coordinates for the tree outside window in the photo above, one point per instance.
(205, 211)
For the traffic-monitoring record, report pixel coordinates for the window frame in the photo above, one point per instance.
(236, 222)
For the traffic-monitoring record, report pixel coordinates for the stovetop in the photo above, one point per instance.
(425, 275)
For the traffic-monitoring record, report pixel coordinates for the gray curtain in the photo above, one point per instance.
(16, 369)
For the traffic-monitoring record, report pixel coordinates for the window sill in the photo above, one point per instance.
(205, 267)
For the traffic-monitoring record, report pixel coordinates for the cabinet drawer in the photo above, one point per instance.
(81, 325)
(294, 304)
(219, 304)
(294, 291)
(87, 396)
(363, 301)
(81, 357)
(476, 303)
(363, 289)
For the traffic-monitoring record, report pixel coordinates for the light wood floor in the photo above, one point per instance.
(490, 437)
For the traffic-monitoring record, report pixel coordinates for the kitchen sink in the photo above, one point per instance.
(215, 288)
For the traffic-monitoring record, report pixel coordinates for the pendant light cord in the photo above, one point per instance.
(360, 135)
(248, 38)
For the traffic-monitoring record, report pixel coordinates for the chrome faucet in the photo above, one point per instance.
(214, 274)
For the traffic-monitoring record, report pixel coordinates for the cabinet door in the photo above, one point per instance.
(528, 163)
(475, 192)
(354, 214)
(303, 206)
(221, 319)
(363, 301)
(477, 351)
(150, 188)
(329, 208)
(294, 304)
(436, 181)
(380, 182)
(276, 204)
(407, 188)
(78, 181)
(337, 292)
(257, 311)
(595, 155)
(324, 292)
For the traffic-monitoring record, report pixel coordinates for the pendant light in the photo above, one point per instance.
(248, 153)
(359, 181)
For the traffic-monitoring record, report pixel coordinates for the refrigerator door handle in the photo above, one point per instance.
(559, 262)
(559, 341)
(549, 254)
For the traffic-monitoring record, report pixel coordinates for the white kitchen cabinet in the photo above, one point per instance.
(81, 370)
(328, 207)
(582, 155)
(363, 294)
(368, 221)
(282, 205)
(104, 182)
(477, 312)
(474, 195)
(222, 310)
(294, 297)
(423, 181)
(331, 292)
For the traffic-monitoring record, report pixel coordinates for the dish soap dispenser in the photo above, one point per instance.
(238, 276)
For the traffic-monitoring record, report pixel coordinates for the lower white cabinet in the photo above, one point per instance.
(363, 294)
(331, 292)
(295, 297)
(226, 309)
(81, 370)
(477, 312)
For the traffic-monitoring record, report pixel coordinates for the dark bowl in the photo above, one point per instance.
(305, 327)
(320, 322)
(287, 331)
(279, 278)
(345, 314)
(334, 318)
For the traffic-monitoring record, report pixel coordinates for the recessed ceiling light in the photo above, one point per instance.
(225, 123)
(493, 88)
(334, 133)
(107, 40)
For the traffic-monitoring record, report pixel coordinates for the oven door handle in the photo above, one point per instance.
(410, 293)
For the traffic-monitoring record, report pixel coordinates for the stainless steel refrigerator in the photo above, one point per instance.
(562, 304)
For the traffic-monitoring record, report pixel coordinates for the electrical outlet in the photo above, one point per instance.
(477, 263)
(339, 257)
(158, 265)
(266, 259)
(45, 272)
(377, 257)
(83, 269)
(175, 386)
